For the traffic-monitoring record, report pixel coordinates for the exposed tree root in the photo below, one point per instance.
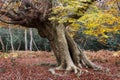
(52, 71)
(79, 58)
(88, 64)
(60, 68)
(73, 68)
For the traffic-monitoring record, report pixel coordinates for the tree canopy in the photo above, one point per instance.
(97, 19)
(76, 13)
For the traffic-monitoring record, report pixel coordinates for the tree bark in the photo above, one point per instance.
(68, 54)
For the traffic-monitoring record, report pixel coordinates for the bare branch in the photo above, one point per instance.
(12, 15)
(11, 22)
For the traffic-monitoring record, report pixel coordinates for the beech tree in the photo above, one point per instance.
(26, 42)
(40, 14)
(11, 39)
(3, 46)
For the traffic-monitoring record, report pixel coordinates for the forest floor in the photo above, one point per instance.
(30, 65)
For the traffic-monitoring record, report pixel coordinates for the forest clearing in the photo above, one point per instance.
(31, 65)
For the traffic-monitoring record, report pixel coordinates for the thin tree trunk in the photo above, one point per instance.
(11, 39)
(35, 45)
(31, 39)
(26, 42)
(3, 46)
(19, 46)
(6, 47)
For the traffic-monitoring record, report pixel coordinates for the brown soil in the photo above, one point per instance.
(30, 65)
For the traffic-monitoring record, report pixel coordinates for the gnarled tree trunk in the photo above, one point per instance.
(68, 54)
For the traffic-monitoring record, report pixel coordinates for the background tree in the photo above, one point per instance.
(26, 42)
(11, 39)
(3, 46)
(31, 39)
(18, 34)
